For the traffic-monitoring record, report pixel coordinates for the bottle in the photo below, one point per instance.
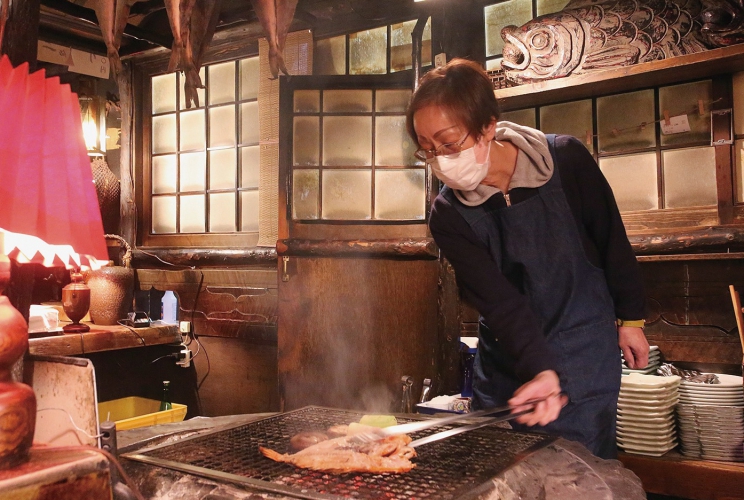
(165, 403)
(169, 313)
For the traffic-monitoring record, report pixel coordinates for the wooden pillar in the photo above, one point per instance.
(22, 33)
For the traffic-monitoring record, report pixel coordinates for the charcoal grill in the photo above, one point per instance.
(452, 468)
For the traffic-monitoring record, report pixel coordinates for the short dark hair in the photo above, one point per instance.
(464, 89)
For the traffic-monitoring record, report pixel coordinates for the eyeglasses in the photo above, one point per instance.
(449, 149)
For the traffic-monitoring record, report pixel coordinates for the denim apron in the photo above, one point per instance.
(537, 246)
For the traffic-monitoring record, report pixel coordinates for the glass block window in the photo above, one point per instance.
(511, 13)
(352, 159)
(646, 168)
(381, 50)
(205, 160)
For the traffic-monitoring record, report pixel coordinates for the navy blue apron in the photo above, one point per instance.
(538, 248)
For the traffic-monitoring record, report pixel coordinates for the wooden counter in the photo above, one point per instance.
(103, 338)
(676, 475)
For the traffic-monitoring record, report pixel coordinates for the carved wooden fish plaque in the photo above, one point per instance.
(590, 35)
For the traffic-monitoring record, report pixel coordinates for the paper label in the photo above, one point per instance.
(53, 53)
(89, 64)
(677, 125)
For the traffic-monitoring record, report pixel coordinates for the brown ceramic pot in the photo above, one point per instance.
(111, 293)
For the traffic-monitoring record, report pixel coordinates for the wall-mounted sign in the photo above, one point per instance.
(77, 61)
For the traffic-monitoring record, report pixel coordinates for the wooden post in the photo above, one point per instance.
(22, 33)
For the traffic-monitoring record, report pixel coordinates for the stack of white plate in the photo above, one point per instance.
(645, 414)
(710, 419)
(654, 361)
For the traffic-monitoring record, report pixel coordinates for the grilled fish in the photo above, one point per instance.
(342, 455)
(591, 35)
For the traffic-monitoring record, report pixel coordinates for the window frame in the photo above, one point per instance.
(141, 131)
(338, 229)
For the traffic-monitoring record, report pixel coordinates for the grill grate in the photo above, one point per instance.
(444, 469)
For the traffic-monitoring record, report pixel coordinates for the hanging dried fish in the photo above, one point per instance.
(592, 35)
(276, 18)
(106, 12)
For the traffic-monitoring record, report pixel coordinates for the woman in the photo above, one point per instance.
(534, 235)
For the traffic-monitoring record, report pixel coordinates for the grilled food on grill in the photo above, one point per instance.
(306, 439)
(343, 454)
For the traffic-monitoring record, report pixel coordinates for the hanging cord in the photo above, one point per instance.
(111, 458)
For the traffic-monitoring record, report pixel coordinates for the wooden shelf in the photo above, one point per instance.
(103, 338)
(679, 476)
(677, 69)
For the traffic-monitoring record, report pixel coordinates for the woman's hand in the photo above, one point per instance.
(634, 345)
(544, 385)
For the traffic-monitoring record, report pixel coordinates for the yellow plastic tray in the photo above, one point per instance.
(133, 412)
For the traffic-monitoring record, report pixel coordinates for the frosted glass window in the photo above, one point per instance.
(199, 92)
(222, 212)
(222, 126)
(306, 101)
(164, 93)
(550, 6)
(222, 83)
(164, 174)
(249, 70)
(329, 56)
(738, 81)
(400, 194)
(347, 194)
(368, 52)
(681, 100)
(392, 101)
(193, 172)
(393, 146)
(690, 177)
(192, 215)
(222, 169)
(511, 12)
(249, 211)
(571, 118)
(164, 134)
(347, 140)
(192, 130)
(249, 129)
(524, 117)
(400, 45)
(633, 179)
(347, 101)
(163, 214)
(249, 166)
(305, 189)
(625, 113)
(305, 147)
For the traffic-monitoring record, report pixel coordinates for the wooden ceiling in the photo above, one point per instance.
(74, 23)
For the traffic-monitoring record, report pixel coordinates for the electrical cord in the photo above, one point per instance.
(96, 436)
(133, 331)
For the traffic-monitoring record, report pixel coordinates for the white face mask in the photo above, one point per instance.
(463, 172)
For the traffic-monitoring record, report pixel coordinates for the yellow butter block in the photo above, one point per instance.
(378, 420)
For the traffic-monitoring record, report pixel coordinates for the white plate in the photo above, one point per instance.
(724, 379)
(646, 409)
(711, 392)
(638, 432)
(647, 403)
(647, 413)
(649, 391)
(645, 371)
(646, 450)
(648, 443)
(640, 436)
(632, 426)
(648, 381)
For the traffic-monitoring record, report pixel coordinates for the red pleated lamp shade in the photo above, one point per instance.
(48, 204)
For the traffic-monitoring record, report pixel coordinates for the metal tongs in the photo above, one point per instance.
(395, 430)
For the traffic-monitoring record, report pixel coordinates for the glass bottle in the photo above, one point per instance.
(165, 403)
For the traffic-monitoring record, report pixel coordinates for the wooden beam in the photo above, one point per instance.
(399, 248)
